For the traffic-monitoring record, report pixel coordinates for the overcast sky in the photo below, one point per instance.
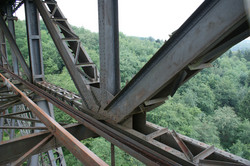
(143, 18)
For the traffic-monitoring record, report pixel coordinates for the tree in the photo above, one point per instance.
(177, 116)
(241, 149)
(227, 123)
(212, 107)
(206, 131)
(244, 109)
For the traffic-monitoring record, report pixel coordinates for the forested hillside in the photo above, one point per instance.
(212, 107)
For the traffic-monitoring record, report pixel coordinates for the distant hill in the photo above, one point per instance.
(245, 44)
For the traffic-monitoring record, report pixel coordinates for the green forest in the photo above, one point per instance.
(212, 107)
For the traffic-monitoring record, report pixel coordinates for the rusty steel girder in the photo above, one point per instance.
(211, 32)
(71, 143)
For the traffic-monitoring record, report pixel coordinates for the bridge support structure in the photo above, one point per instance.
(101, 108)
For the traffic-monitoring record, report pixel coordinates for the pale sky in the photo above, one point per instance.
(142, 18)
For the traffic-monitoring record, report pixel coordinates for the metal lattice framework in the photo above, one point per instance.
(101, 108)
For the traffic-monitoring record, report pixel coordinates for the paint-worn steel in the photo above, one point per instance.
(202, 33)
(109, 48)
(211, 30)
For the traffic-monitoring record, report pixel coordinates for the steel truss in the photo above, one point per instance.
(150, 144)
(101, 108)
(35, 62)
(79, 150)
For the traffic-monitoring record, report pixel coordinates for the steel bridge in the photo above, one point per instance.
(101, 108)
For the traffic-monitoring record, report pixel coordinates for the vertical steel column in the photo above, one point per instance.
(109, 52)
(2, 55)
(11, 26)
(112, 154)
(3, 50)
(13, 121)
(35, 49)
(34, 41)
(36, 63)
(109, 47)
(1, 130)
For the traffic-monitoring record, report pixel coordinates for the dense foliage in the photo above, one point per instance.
(212, 107)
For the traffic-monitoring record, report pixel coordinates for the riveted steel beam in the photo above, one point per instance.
(203, 32)
(34, 41)
(109, 48)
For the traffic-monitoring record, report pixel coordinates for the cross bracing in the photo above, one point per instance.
(101, 108)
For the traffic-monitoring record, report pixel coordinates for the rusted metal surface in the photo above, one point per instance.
(218, 163)
(182, 145)
(75, 146)
(63, 94)
(32, 151)
(143, 149)
(11, 150)
(204, 154)
(25, 119)
(17, 113)
(134, 148)
(211, 32)
(68, 97)
(199, 147)
(8, 104)
(156, 134)
(36, 64)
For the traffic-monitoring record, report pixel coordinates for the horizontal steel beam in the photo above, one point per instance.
(24, 128)
(17, 113)
(218, 163)
(24, 119)
(201, 149)
(211, 24)
(13, 149)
